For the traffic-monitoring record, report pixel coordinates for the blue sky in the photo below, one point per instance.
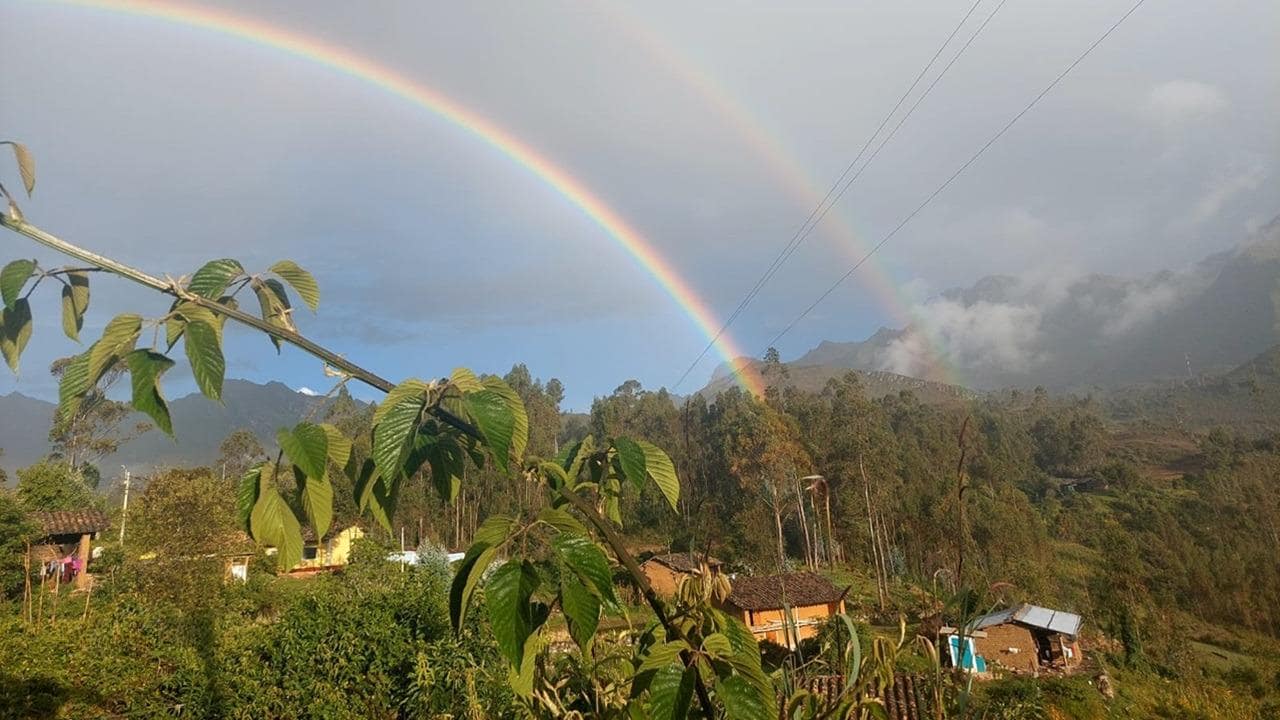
(165, 146)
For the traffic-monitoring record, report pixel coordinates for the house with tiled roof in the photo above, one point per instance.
(665, 572)
(68, 532)
(784, 608)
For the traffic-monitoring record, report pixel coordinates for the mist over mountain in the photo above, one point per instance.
(1072, 333)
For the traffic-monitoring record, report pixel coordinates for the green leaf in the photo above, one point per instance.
(317, 502)
(631, 458)
(191, 312)
(338, 446)
(663, 654)
(75, 301)
(15, 331)
(307, 446)
(74, 384)
(273, 523)
(743, 700)
(562, 520)
(491, 534)
(394, 434)
(300, 280)
(247, 494)
(507, 595)
(520, 418)
(448, 463)
(412, 387)
(12, 278)
(118, 339)
(522, 681)
(274, 305)
(659, 466)
(145, 369)
(717, 645)
(204, 352)
(465, 380)
(493, 418)
(581, 608)
(26, 164)
(213, 277)
(584, 557)
(671, 692)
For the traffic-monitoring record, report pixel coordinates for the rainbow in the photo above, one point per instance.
(367, 70)
(806, 191)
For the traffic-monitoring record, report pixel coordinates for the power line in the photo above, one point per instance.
(958, 171)
(817, 213)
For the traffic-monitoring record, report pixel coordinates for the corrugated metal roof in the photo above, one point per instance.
(1033, 615)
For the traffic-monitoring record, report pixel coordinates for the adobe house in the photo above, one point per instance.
(1027, 639)
(331, 552)
(665, 572)
(759, 601)
(66, 532)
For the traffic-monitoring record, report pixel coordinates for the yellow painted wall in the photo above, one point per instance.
(334, 551)
(758, 620)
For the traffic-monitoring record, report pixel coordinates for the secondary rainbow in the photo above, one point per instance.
(803, 187)
(362, 68)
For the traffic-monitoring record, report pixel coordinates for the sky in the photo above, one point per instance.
(706, 126)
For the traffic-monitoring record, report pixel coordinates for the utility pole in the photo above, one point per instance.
(124, 509)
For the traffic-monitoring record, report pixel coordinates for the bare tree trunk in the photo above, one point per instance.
(831, 538)
(26, 584)
(777, 522)
(871, 532)
(804, 526)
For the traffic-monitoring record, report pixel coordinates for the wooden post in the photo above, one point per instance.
(82, 578)
(87, 596)
(40, 608)
(26, 583)
(57, 584)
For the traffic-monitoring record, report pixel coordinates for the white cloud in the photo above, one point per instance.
(1181, 101)
(304, 390)
(1141, 305)
(983, 334)
(1222, 189)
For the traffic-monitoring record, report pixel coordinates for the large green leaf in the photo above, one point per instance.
(247, 494)
(671, 692)
(300, 280)
(663, 654)
(273, 523)
(15, 331)
(317, 502)
(75, 301)
(508, 595)
(74, 384)
(447, 461)
(12, 278)
(562, 520)
(744, 701)
(491, 534)
(465, 380)
(411, 388)
(145, 369)
(393, 436)
(307, 446)
(659, 466)
(631, 459)
(581, 555)
(213, 277)
(581, 608)
(492, 415)
(519, 417)
(118, 339)
(338, 446)
(204, 352)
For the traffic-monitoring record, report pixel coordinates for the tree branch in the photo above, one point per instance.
(619, 548)
(170, 288)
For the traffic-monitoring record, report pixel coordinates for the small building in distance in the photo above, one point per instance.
(1028, 639)
(68, 532)
(331, 552)
(665, 572)
(758, 601)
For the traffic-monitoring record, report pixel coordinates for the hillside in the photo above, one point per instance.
(812, 378)
(200, 425)
(1084, 333)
